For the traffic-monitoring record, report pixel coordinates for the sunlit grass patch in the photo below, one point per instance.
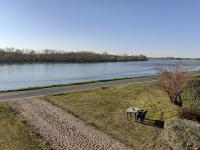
(105, 108)
(15, 134)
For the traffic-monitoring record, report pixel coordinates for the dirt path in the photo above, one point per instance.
(63, 130)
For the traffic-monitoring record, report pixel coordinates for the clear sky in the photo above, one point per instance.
(150, 27)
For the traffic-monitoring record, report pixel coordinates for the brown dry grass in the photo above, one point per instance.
(15, 134)
(105, 108)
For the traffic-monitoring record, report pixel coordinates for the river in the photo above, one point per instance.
(15, 76)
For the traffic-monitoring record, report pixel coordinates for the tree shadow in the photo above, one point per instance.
(155, 123)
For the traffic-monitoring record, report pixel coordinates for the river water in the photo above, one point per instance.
(14, 76)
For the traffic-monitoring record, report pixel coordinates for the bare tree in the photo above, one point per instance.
(172, 82)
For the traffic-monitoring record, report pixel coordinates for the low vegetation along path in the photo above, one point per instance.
(63, 130)
(61, 89)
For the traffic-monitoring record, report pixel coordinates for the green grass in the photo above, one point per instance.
(15, 134)
(105, 108)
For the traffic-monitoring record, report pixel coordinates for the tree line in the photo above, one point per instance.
(12, 55)
(173, 58)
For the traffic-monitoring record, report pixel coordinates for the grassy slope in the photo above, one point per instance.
(105, 108)
(16, 135)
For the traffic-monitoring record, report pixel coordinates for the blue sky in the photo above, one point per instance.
(150, 27)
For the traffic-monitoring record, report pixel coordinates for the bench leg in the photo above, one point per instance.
(135, 117)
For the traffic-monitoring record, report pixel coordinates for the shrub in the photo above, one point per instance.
(191, 93)
(189, 114)
(182, 134)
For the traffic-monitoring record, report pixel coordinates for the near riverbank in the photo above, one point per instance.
(95, 118)
(56, 89)
(61, 88)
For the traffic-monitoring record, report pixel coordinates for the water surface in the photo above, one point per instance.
(14, 76)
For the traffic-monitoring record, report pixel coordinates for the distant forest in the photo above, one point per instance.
(12, 55)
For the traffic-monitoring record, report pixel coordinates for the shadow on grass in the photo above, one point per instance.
(150, 122)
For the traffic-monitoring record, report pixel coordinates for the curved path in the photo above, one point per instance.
(62, 89)
(62, 130)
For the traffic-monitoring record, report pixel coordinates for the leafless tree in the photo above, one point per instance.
(172, 82)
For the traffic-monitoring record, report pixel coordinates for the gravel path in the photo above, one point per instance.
(62, 130)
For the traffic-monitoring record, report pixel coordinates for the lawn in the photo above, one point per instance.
(105, 108)
(15, 134)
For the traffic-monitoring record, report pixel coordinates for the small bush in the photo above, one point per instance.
(191, 93)
(190, 114)
(182, 134)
